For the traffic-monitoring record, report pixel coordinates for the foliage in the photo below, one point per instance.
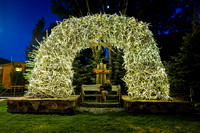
(32, 51)
(30, 63)
(183, 69)
(118, 71)
(94, 59)
(111, 122)
(79, 8)
(39, 33)
(165, 15)
(79, 72)
(1, 89)
(169, 19)
(83, 66)
(17, 76)
(145, 76)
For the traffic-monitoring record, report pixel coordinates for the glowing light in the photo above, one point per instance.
(145, 78)
(18, 69)
(101, 70)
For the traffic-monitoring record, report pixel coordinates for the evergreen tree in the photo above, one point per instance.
(79, 72)
(118, 70)
(30, 63)
(17, 76)
(184, 68)
(39, 33)
(94, 59)
(79, 8)
(32, 51)
(83, 66)
(165, 16)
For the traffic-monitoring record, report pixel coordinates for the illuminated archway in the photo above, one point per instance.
(145, 78)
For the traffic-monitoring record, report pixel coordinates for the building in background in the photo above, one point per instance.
(1, 74)
(11, 74)
(2, 61)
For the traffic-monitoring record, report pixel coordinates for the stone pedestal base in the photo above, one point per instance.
(46, 105)
(156, 106)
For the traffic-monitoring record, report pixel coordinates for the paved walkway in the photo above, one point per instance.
(98, 110)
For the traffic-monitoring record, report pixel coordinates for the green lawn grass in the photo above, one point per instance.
(111, 122)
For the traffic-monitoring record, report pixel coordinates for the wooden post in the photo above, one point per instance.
(101, 75)
(104, 74)
(14, 91)
(119, 93)
(82, 94)
(110, 62)
(97, 76)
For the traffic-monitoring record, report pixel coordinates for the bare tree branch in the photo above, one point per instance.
(125, 5)
(103, 6)
(88, 6)
(79, 9)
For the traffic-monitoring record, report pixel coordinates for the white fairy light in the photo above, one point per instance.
(145, 78)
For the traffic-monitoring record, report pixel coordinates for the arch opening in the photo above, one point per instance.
(145, 74)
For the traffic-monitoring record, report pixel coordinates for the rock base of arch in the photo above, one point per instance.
(45, 105)
(156, 106)
(68, 105)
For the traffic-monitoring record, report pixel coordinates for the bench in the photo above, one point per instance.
(17, 87)
(92, 91)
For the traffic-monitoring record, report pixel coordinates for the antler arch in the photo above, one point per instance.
(145, 78)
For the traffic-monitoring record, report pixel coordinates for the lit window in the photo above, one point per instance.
(18, 69)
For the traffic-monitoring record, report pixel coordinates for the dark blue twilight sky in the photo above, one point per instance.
(17, 19)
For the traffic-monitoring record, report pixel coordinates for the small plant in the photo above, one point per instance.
(2, 89)
(16, 75)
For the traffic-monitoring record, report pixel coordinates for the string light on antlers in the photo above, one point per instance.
(145, 78)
